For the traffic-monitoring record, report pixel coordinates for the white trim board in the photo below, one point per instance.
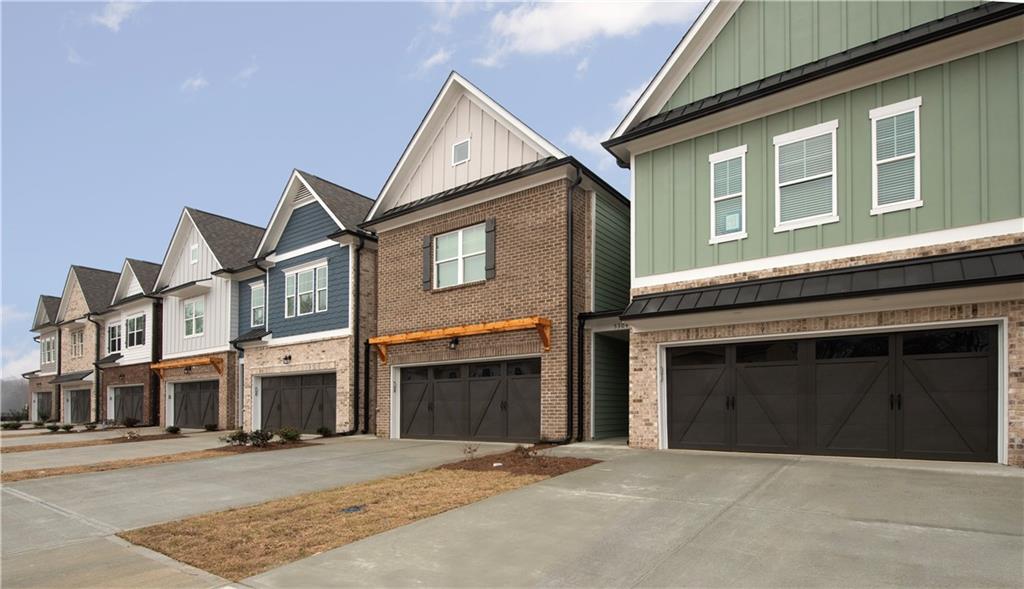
(306, 249)
(932, 238)
(276, 229)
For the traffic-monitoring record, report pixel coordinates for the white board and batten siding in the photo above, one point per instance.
(493, 148)
(133, 287)
(218, 316)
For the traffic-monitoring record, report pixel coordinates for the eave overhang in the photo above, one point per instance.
(188, 289)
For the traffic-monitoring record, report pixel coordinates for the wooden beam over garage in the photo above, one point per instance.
(216, 361)
(541, 324)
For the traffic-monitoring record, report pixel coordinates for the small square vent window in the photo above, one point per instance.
(460, 152)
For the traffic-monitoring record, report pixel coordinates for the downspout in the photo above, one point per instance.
(355, 337)
(367, 353)
(569, 306)
(239, 401)
(155, 355)
(96, 367)
(580, 344)
(58, 393)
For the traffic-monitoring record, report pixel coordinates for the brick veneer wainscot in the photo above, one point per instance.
(227, 387)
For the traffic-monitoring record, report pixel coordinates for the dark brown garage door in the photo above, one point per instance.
(128, 404)
(494, 401)
(195, 403)
(44, 406)
(79, 406)
(929, 394)
(305, 402)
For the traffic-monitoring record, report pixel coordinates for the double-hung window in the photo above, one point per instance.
(135, 330)
(728, 194)
(896, 167)
(305, 291)
(49, 351)
(195, 317)
(113, 338)
(193, 253)
(805, 177)
(77, 343)
(460, 256)
(258, 305)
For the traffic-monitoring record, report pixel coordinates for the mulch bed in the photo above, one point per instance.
(523, 462)
(85, 443)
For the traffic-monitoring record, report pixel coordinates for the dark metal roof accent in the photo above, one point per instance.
(936, 30)
(990, 266)
(110, 359)
(251, 335)
(97, 286)
(535, 167)
(348, 206)
(183, 286)
(232, 242)
(71, 376)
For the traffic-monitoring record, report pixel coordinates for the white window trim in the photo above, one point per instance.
(193, 253)
(883, 112)
(294, 271)
(78, 347)
(48, 350)
(120, 337)
(184, 317)
(722, 156)
(459, 257)
(252, 308)
(144, 327)
(829, 127)
(469, 151)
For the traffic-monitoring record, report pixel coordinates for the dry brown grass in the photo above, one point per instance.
(41, 473)
(239, 543)
(84, 443)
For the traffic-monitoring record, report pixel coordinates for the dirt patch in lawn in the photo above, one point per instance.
(527, 461)
(84, 443)
(41, 473)
(239, 543)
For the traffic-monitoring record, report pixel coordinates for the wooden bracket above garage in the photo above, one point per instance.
(216, 361)
(541, 324)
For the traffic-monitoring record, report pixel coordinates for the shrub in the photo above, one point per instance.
(132, 435)
(51, 421)
(211, 427)
(260, 438)
(67, 427)
(53, 427)
(90, 426)
(289, 434)
(236, 438)
(15, 415)
(131, 421)
(172, 429)
(324, 431)
(37, 423)
(11, 425)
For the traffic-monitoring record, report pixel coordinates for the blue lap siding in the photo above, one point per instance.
(307, 225)
(336, 315)
(245, 304)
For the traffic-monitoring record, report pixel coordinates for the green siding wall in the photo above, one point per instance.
(971, 160)
(611, 387)
(799, 32)
(611, 254)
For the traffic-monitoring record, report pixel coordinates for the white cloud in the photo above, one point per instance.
(446, 13)
(18, 362)
(10, 313)
(73, 57)
(627, 100)
(245, 74)
(439, 57)
(115, 13)
(194, 84)
(582, 67)
(584, 140)
(536, 29)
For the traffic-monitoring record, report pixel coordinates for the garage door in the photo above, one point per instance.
(128, 404)
(195, 403)
(304, 402)
(494, 401)
(929, 394)
(79, 406)
(43, 406)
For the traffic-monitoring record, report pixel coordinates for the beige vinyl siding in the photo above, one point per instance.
(493, 148)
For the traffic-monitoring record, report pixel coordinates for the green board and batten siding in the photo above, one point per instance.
(611, 387)
(971, 161)
(803, 32)
(611, 254)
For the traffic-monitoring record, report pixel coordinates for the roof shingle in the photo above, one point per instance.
(232, 242)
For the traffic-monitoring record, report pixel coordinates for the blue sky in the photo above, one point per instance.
(116, 115)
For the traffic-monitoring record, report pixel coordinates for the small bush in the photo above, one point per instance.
(67, 427)
(11, 425)
(90, 426)
(324, 431)
(260, 438)
(53, 427)
(132, 435)
(289, 434)
(526, 451)
(15, 415)
(131, 421)
(236, 438)
(37, 423)
(51, 421)
(211, 427)
(172, 429)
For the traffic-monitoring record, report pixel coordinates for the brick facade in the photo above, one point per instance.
(41, 384)
(76, 308)
(133, 375)
(530, 279)
(643, 402)
(227, 387)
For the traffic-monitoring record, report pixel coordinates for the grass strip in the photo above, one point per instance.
(85, 443)
(238, 543)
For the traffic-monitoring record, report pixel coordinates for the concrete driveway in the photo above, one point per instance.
(45, 436)
(59, 457)
(657, 519)
(59, 531)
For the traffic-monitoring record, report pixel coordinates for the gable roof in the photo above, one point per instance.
(347, 208)
(46, 311)
(145, 272)
(231, 242)
(454, 87)
(98, 287)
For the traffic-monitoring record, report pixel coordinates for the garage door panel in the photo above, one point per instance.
(524, 407)
(768, 407)
(451, 409)
(195, 403)
(79, 406)
(852, 407)
(487, 417)
(303, 402)
(697, 408)
(417, 419)
(127, 403)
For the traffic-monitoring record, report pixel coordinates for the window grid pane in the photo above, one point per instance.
(896, 181)
(805, 199)
(729, 216)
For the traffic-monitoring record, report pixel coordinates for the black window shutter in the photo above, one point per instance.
(427, 242)
(489, 253)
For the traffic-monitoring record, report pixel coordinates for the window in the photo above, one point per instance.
(113, 338)
(459, 257)
(135, 328)
(257, 305)
(194, 317)
(48, 350)
(728, 188)
(460, 152)
(896, 173)
(193, 254)
(805, 178)
(305, 291)
(77, 343)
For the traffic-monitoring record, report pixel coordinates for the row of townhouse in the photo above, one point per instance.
(822, 253)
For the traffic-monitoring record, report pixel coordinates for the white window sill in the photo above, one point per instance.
(900, 206)
(727, 238)
(194, 335)
(810, 222)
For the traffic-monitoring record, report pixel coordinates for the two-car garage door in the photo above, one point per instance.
(929, 394)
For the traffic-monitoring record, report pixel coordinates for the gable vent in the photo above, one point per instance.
(302, 195)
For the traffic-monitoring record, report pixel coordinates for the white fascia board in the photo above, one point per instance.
(126, 271)
(171, 247)
(275, 227)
